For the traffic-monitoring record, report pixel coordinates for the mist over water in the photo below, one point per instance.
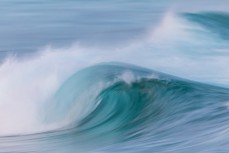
(117, 76)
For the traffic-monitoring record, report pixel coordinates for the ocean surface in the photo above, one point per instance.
(117, 76)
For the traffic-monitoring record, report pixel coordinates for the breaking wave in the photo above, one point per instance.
(76, 98)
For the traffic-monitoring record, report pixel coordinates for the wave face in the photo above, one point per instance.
(124, 104)
(125, 86)
(216, 22)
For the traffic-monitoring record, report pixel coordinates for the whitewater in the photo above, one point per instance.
(161, 87)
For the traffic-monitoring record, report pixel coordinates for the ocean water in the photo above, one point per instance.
(121, 76)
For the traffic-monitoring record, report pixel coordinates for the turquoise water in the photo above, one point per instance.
(114, 76)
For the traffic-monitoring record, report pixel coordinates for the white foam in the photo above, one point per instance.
(26, 84)
(128, 77)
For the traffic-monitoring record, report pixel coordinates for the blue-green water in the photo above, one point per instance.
(114, 76)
